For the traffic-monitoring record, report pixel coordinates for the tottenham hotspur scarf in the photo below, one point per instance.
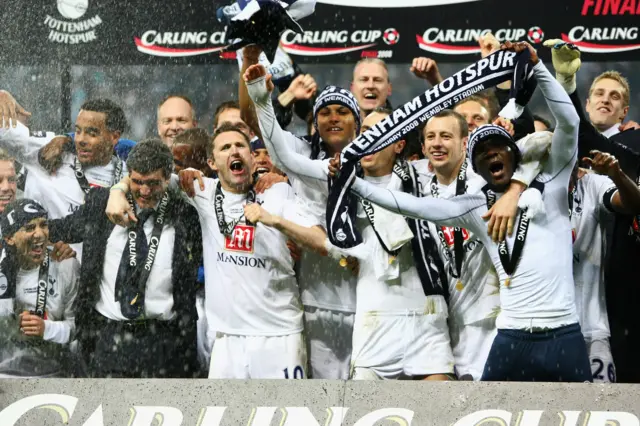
(487, 72)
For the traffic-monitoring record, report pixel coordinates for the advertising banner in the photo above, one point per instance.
(313, 403)
(131, 32)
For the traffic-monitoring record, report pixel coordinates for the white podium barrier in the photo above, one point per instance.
(313, 403)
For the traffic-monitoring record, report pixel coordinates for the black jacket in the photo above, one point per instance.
(90, 225)
(625, 145)
(622, 283)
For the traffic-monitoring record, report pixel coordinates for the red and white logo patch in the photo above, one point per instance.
(535, 35)
(241, 240)
(448, 234)
(391, 36)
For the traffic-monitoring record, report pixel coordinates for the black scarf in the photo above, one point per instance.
(487, 72)
(138, 258)
(425, 252)
(458, 237)
(510, 261)
(9, 268)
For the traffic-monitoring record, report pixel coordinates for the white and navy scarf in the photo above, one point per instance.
(487, 72)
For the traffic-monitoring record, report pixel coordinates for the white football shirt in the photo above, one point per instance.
(541, 291)
(323, 282)
(401, 295)
(158, 296)
(41, 360)
(250, 284)
(587, 219)
(479, 297)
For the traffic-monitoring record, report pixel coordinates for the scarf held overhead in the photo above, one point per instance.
(488, 72)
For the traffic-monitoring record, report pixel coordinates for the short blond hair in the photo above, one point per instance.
(377, 61)
(616, 76)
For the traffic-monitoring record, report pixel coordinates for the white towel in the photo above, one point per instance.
(394, 232)
(531, 199)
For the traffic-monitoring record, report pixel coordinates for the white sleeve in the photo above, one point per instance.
(279, 142)
(61, 331)
(603, 190)
(19, 143)
(174, 183)
(457, 211)
(564, 144)
(298, 211)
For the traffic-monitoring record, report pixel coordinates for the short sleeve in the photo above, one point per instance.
(602, 190)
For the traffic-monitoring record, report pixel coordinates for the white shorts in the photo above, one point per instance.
(394, 346)
(471, 345)
(328, 334)
(602, 367)
(258, 357)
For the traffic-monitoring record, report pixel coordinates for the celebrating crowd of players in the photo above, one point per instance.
(193, 254)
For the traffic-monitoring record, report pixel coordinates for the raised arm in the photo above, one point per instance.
(19, 143)
(564, 143)
(250, 56)
(567, 62)
(456, 211)
(277, 141)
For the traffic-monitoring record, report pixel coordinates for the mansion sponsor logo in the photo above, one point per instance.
(181, 43)
(142, 415)
(448, 41)
(72, 26)
(251, 262)
(610, 7)
(336, 42)
(603, 39)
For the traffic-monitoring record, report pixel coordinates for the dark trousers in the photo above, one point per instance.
(625, 348)
(556, 355)
(147, 349)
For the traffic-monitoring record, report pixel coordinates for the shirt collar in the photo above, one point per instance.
(612, 131)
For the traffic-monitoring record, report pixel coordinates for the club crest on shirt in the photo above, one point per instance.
(448, 234)
(52, 288)
(241, 239)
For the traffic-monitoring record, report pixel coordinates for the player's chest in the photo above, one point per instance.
(234, 234)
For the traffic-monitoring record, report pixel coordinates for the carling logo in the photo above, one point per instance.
(336, 42)
(603, 39)
(67, 28)
(181, 43)
(143, 415)
(465, 41)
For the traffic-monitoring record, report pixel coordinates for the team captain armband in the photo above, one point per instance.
(606, 198)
